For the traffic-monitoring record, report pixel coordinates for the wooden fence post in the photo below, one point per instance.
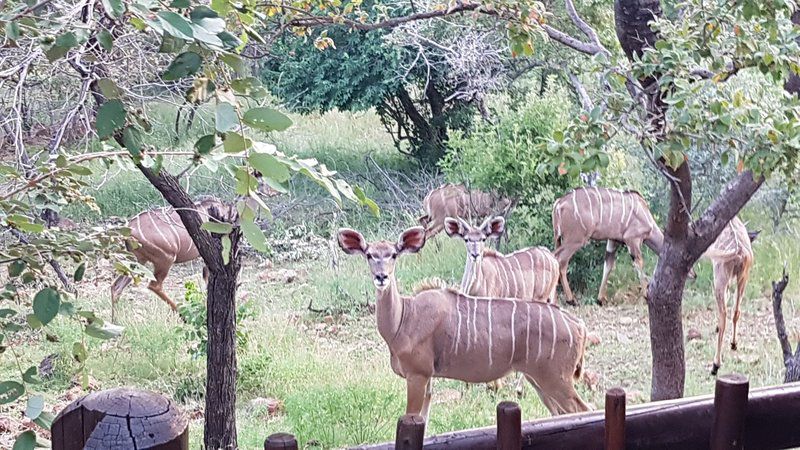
(509, 426)
(280, 441)
(410, 432)
(615, 419)
(121, 418)
(730, 410)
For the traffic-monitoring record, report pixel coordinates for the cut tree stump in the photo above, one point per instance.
(121, 418)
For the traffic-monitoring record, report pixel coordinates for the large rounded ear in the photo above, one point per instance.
(351, 241)
(411, 241)
(452, 227)
(494, 226)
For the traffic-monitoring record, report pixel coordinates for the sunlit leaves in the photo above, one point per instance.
(110, 118)
(185, 64)
(235, 143)
(101, 329)
(175, 25)
(266, 119)
(108, 88)
(254, 235)
(105, 39)
(217, 227)
(205, 144)
(79, 352)
(275, 172)
(34, 407)
(225, 117)
(45, 304)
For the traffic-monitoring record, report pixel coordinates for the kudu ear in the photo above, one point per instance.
(411, 241)
(452, 227)
(351, 241)
(494, 227)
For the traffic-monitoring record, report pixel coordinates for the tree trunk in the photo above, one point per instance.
(220, 412)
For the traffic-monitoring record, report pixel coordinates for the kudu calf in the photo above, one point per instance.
(621, 217)
(455, 200)
(163, 241)
(443, 333)
(731, 256)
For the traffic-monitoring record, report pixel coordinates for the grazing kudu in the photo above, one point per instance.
(443, 333)
(527, 274)
(621, 217)
(455, 200)
(731, 256)
(163, 241)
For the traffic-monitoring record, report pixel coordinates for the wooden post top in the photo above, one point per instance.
(121, 418)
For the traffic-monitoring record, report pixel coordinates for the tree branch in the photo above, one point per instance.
(585, 27)
(777, 311)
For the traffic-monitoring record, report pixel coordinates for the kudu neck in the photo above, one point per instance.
(389, 310)
(655, 241)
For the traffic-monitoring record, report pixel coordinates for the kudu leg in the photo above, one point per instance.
(720, 293)
(559, 395)
(608, 266)
(416, 390)
(117, 287)
(635, 247)
(158, 284)
(426, 403)
(563, 254)
(741, 285)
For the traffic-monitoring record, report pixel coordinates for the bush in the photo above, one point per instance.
(505, 157)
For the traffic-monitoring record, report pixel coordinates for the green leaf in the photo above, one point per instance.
(66, 309)
(245, 85)
(25, 441)
(269, 167)
(79, 352)
(5, 313)
(229, 41)
(235, 142)
(33, 321)
(114, 8)
(254, 235)
(108, 88)
(175, 25)
(132, 139)
(245, 182)
(170, 44)
(31, 376)
(35, 406)
(180, 4)
(45, 420)
(223, 7)
(78, 275)
(217, 227)
(110, 118)
(225, 118)
(233, 61)
(202, 12)
(226, 249)
(205, 144)
(102, 330)
(106, 40)
(185, 64)
(15, 268)
(10, 391)
(45, 305)
(12, 31)
(267, 119)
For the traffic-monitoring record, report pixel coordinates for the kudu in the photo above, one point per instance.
(163, 241)
(443, 333)
(455, 200)
(731, 256)
(527, 274)
(621, 217)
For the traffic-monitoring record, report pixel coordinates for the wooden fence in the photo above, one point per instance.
(733, 418)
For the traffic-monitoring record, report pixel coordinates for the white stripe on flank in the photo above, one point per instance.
(539, 342)
(469, 330)
(575, 210)
(610, 206)
(589, 202)
(513, 334)
(475, 322)
(489, 315)
(158, 229)
(564, 319)
(630, 215)
(553, 320)
(533, 269)
(458, 330)
(527, 331)
(622, 216)
(520, 276)
(168, 220)
(141, 238)
(599, 200)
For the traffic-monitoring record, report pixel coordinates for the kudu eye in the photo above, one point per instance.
(394, 255)
(369, 256)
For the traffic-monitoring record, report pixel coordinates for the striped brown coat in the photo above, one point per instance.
(455, 200)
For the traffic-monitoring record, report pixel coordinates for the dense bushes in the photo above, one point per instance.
(505, 157)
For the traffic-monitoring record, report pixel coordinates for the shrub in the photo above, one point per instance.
(505, 157)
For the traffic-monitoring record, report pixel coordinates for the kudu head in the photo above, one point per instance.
(381, 256)
(474, 237)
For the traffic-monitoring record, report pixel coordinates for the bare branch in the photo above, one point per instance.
(585, 27)
(586, 101)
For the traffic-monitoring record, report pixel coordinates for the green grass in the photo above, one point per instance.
(331, 374)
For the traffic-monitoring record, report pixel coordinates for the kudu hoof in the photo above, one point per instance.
(733, 345)
(572, 303)
(601, 302)
(714, 369)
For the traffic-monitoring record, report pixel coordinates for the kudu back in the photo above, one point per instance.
(455, 200)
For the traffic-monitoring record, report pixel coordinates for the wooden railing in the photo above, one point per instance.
(733, 418)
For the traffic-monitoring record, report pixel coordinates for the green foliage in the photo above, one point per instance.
(194, 311)
(507, 158)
